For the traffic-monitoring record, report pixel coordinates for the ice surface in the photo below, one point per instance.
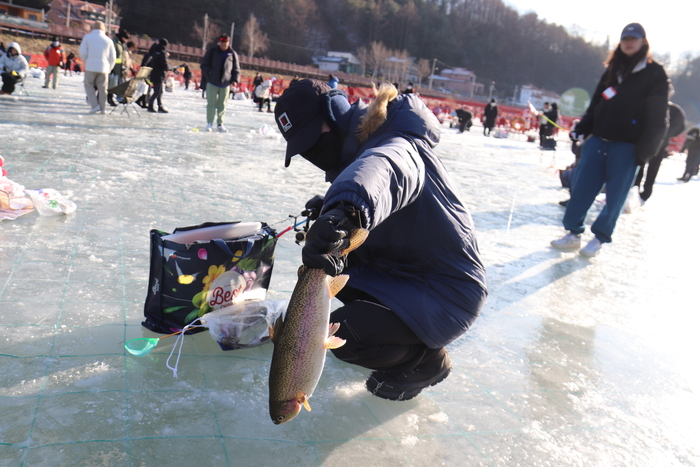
(573, 361)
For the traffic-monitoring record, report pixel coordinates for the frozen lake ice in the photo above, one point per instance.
(572, 362)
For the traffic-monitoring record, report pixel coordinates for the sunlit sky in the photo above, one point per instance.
(671, 25)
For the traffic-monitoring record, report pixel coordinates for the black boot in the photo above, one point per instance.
(110, 99)
(151, 108)
(405, 385)
(162, 109)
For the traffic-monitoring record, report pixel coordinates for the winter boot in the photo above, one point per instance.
(405, 385)
(110, 99)
(151, 108)
(162, 110)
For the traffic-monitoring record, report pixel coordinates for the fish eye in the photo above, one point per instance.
(280, 419)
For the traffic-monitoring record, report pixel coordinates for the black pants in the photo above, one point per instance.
(376, 338)
(692, 162)
(8, 82)
(545, 132)
(157, 93)
(262, 102)
(652, 169)
(465, 124)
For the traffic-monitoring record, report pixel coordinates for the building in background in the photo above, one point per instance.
(21, 15)
(80, 14)
(344, 62)
(459, 81)
(536, 96)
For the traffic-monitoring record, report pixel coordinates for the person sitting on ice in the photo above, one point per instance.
(14, 68)
(262, 93)
(417, 283)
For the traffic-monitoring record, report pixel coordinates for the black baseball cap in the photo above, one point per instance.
(634, 30)
(299, 115)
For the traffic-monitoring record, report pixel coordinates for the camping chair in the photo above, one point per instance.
(128, 89)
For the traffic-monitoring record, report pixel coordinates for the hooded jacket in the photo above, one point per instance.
(220, 67)
(490, 114)
(421, 258)
(97, 51)
(54, 55)
(17, 64)
(637, 113)
(158, 62)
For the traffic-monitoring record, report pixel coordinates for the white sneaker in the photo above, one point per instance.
(209, 127)
(95, 109)
(592, 249)
(222, 129)
(569, 241)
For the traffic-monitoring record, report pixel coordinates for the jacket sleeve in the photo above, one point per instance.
(23, 67)
(112, 57)
(585, 126)
(83, 51)
(655, 117)
(381, 181)
(236, 71)
(205, 63)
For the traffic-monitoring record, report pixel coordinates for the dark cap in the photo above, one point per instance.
(299, 115)
(634, 30)
(164, 42)
(224, 38)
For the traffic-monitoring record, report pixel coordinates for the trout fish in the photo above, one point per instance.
(301, 339)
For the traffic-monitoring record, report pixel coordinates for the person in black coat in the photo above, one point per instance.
(160, 67)
(490, 115)
(549, 114)
(626, 122)
(675, 127)
(186, 75)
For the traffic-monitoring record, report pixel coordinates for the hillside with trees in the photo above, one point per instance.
(485, 36)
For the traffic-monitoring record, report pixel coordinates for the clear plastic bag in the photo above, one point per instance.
(244, 324)
(50, 202)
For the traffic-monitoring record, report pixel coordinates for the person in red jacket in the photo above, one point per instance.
(55, 56)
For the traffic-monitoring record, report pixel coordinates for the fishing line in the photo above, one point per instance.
(181, 340)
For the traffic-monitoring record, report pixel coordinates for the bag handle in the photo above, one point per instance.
(222, 244)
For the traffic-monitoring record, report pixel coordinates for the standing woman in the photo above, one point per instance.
(626, 122)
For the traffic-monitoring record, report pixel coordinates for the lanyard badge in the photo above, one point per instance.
(609, 93)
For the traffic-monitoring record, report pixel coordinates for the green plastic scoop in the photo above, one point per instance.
(140, 346)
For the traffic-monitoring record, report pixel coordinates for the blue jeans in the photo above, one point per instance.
(608, 163)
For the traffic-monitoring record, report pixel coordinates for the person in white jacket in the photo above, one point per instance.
(13, 67)
(97, 51)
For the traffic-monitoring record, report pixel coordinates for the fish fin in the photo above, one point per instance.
(305, 402)
(333, 328)
(275, 330)
(302, 269)
(336, 284)
(333, 342)
(357, 238)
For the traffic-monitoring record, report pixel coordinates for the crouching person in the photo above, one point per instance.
(14, 68)
(417, 282)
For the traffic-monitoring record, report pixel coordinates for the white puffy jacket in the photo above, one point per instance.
(18, 64)
(97, 51)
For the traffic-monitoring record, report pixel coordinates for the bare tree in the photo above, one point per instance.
(362, 55)
(254, 40)
(377, 54)
(199, 33)
(423, 69)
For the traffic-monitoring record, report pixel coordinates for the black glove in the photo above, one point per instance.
(325, 236)
(314, 206)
